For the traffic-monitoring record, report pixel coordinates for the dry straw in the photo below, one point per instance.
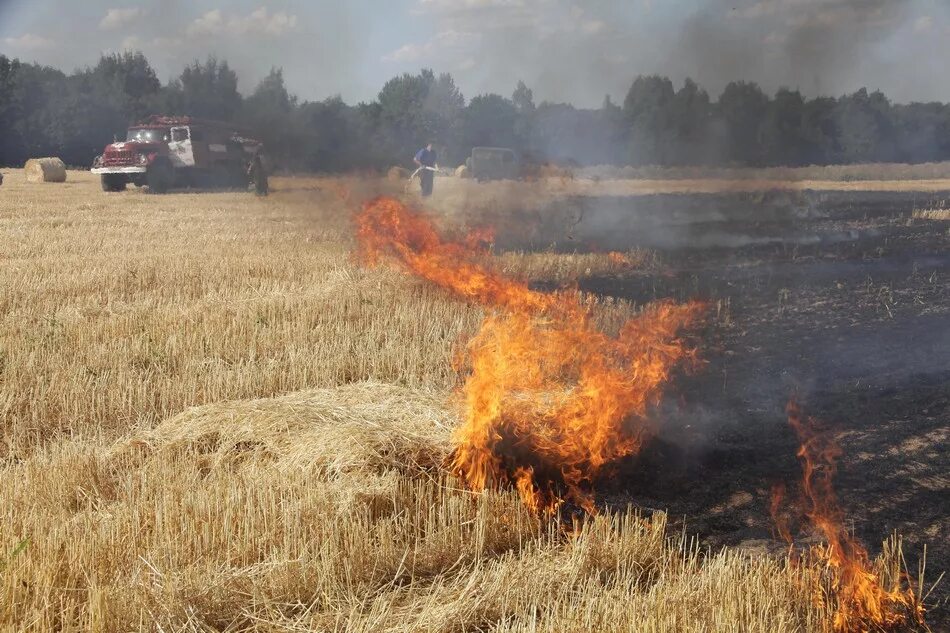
(397, 174)
(932, 214)
(45, 170)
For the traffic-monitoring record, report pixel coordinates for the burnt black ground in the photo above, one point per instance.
(840, 298)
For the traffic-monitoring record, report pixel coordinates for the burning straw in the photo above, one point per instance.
(550, 400)
(859, 595)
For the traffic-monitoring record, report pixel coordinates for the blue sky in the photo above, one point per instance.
(564, 49)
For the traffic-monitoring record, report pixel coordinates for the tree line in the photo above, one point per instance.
(45, 112)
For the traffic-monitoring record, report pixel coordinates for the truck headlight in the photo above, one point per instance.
(143, 159)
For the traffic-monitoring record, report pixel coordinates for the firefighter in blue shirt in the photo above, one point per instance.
(426, 161)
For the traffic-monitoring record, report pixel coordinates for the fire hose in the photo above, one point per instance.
(422, 168)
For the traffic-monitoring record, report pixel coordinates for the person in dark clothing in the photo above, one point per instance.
(426, 158)
(258, 176)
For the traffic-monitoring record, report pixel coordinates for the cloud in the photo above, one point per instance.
(542, 17)
(487, 14)
(471, 5)
(449, 43)
(131, 43)
(593, 27)
(258, 22)
(923, 24)
(28, 42)
(261, 22)
(494, 43)
(116, 18)
(211, 23)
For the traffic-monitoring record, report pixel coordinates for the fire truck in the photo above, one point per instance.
(163, 152)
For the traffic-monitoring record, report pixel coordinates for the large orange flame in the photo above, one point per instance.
(550, 399)
(863, 603)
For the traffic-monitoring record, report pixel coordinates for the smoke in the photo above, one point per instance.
(778, 257)
(818, 46)
(578, 53)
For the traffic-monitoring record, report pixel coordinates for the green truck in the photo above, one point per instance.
(492, 163)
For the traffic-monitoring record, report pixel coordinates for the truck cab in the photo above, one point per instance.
(127, 161)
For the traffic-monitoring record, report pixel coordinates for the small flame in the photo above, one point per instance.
(619, 259)
(778, 519)
(862, 602)
(550, 400)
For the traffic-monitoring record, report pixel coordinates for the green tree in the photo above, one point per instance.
(12, 116)
(267, 112)
(524, 130)
(28, 92)
(865, 127)
(648, 111)
(782, 135)
(129, 77)
(415, 109)
(690, 114)
(445, 104)
(83, 119)
(743, 107)
(206, 90)
(819, 132)
(336, 136)
(490, 121)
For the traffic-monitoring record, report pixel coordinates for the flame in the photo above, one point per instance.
(550, 400)
(619, 259)
(862, 602)
(780, 521)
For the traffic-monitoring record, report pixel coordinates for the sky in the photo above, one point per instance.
(565, 50)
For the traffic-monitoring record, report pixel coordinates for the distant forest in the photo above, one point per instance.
(45, 112)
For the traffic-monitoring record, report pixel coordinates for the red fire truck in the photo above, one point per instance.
(164, 152)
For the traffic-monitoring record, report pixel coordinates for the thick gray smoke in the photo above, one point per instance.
(822, 47)
(578, 53)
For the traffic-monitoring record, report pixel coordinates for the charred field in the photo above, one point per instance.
(840, 299)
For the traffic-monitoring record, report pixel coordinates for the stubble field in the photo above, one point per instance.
(215, 419)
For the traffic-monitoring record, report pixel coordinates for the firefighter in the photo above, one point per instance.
(257, 175)
(426, 161)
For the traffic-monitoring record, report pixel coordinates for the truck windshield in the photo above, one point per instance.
(147, 136)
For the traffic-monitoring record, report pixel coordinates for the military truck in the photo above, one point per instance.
(163, 152)
(493, 163)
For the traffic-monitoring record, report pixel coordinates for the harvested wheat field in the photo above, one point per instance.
(227, 413)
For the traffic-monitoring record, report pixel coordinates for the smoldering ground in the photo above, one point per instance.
(841, 298)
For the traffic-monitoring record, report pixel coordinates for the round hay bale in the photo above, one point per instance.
(45, 170)
(397, 173)
(463, 172)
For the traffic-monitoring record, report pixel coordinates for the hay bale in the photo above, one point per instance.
(358, 428)
(397, 173)
(45, 170)
(463, 172)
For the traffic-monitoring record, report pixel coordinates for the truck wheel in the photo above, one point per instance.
(113, 182)
(159, 177)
